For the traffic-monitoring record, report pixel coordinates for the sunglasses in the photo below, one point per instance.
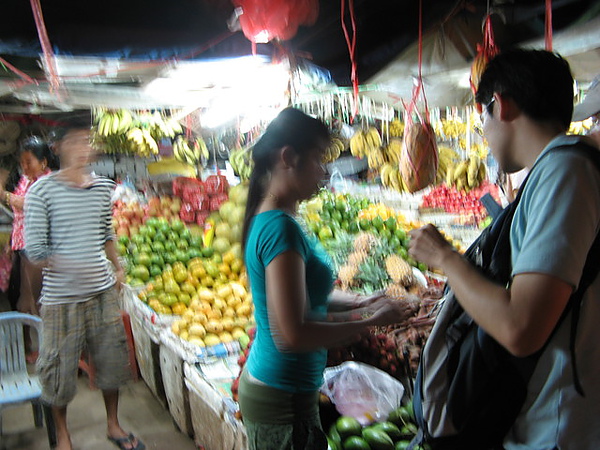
(488, 108)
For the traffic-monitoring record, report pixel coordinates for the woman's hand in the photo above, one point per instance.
(390, 312)
(364, 301)
(427, 245)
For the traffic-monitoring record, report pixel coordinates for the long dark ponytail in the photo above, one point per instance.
(291, 127)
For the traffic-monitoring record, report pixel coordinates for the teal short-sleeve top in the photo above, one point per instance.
(272, 233)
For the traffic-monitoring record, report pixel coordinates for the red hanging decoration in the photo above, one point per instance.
(485, 52)
(351, 43)
(265, 20)
(45, 43)
(548, 27)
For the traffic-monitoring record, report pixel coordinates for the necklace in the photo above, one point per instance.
(277, 203)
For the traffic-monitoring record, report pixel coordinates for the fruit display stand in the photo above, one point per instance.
(146, 327)
(174, 353)
(171, 367)
(212, 408)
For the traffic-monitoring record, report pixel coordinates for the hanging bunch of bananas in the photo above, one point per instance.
(109, 122)
(450, 128)
(392, 178)
(581, 127)
(160, 126)
(189, 154)
(467, 174)
(396, 128)
(241, 162)
(333, 151)
(141, 142)
(376, 158)
(447, 157)
(393, 151)
(363, 141)
(122, 131)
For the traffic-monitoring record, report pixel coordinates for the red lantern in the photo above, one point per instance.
(264, 20)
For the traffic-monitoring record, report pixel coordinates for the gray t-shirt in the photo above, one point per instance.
(554, 226)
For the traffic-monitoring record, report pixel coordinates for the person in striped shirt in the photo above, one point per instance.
(70, 241)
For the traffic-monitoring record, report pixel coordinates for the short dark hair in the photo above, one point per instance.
(540, 83)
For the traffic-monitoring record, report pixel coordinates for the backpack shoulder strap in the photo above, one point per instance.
(590, 269)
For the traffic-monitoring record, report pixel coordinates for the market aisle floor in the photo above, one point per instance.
(139, 413)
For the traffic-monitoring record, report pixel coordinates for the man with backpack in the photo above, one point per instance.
(528, 290)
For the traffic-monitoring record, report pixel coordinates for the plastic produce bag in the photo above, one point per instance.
(362, 391)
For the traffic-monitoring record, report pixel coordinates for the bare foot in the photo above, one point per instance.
(122, 439)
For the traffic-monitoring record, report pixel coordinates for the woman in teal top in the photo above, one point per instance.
(298, 315)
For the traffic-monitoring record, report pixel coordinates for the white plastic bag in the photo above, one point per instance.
(362, 391)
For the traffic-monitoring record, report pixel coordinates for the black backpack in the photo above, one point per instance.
(469, 389)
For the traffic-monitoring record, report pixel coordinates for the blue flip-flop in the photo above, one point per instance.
(122, 442)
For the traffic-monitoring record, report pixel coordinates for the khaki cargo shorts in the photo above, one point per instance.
(69, 329)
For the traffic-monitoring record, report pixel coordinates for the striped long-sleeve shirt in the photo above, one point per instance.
(68, 227)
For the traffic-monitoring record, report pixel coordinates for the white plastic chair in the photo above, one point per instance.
(16, 384)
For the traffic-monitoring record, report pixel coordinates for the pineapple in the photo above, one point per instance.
(346, 275)
(395, 291)
(357, 258)
(364, 242)
(399, 270)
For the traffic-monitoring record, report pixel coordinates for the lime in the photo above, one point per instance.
(159, 237)
(158, 247)
(364, 224)
(181, 255)
(145, 248)
(325, 233)
(155, 270)
(400, 233)
(142, 259)
(157, 260)
(177, 225)
(378, 223)
(391, 224)
(185, 234)
(152, 222)
(196, 242)
(141, 272)
(169, 258)
(385, 234)
(348, 426)
(137, 239)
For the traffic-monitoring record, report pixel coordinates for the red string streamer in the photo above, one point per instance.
(22, 75)
(548, 27)
(418, 89)
(352, 50)
(45, 42)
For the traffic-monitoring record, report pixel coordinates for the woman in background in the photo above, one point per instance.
(298, 315)
(35, 161)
